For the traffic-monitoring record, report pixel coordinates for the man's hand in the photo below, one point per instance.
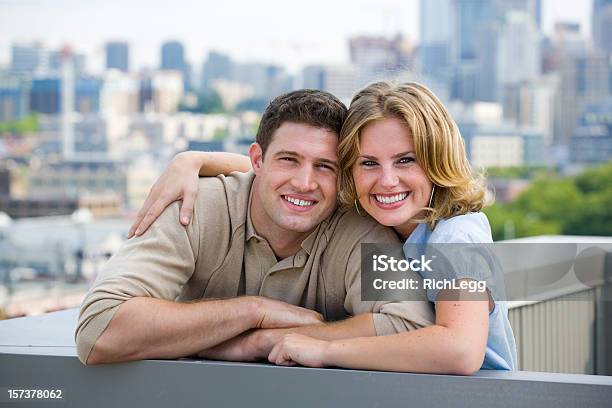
(250, 346)
(274, 314)
(241, 348)
(298, 349)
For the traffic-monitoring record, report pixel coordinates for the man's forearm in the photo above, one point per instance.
(258, 344)
(154, 328)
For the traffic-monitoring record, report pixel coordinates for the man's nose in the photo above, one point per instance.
(305, 180)
(389, 178)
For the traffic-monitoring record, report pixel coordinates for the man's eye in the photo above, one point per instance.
(325, 167)
(289, 159)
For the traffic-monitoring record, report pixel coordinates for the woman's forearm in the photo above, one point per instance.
(215, 163)
(433, 349)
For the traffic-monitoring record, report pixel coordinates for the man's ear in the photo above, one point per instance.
(256, 155)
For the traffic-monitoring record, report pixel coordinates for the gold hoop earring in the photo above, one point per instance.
(357, 208)
(433, 188)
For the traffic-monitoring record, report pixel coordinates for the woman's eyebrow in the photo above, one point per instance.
(395, 156)
(403, 154)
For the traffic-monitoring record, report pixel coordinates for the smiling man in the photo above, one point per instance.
(267, 253)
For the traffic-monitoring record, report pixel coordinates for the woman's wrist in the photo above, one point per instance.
(332, 352)
(195, 161)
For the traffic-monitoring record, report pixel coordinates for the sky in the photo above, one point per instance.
(288, 33)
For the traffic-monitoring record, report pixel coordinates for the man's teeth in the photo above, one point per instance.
(301, 203)
(390, 199)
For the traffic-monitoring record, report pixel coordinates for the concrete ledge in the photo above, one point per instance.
(38, 352)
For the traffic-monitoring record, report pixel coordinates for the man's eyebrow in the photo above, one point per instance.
(287, 153)
(296, 154)
(327, 161)
(395, 156)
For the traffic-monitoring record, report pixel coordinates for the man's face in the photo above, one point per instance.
(295, 184)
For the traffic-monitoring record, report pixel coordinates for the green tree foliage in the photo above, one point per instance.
(580, 205)
(208, 102)
(27, 124)
(521, 172)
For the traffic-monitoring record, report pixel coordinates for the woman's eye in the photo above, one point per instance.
(406, 160)
(368, 163)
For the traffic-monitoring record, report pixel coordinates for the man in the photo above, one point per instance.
(264, 251)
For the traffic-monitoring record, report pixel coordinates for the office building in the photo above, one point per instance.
(436, 34)
(117, 56)
(339, 80)
(601, 25)
(216, 66)
(377, 57)
(585, 81)
(173, 58)
(28, 58)
(591, 142)
(45, 95)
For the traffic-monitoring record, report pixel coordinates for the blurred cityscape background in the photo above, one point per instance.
(84, 134)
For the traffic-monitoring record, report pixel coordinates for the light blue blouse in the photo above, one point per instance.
(471, 228)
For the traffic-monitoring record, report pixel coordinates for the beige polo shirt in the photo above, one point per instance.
(220, 255)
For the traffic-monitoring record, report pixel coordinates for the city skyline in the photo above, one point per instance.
(267, 32)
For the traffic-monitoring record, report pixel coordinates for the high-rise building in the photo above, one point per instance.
(119, 94)
(339, 80)
(87, 95)
(118, 56)
(473, 49)
(584, 81)
(436, 33)
(173, 58)
(376, 57)
(266, 80)
(45, 95)
(487, 61)
(56, 62)
(532, 104)
(566, 41)
(518, 58)
(28, 58)
(601, 25)
(533, 8)
(216, 66)
(14, 101)
(591, 142)
(470, 17)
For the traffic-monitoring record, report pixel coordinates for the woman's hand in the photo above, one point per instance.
(178, 181)
(296, 349)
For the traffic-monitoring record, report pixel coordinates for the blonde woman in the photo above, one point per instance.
(403, 163)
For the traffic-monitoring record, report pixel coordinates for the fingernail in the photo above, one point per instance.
(137, 232)
(185, 220)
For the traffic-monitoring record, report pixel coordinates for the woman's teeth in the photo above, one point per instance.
(390, 199)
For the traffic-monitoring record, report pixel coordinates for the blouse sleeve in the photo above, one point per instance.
(461, 248)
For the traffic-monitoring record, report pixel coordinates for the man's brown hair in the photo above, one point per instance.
(312, 107)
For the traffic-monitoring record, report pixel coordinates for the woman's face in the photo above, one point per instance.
(391, 186)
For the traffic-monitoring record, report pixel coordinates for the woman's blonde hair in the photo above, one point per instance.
(439, 146)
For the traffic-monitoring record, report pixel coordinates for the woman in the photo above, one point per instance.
(403, 163)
